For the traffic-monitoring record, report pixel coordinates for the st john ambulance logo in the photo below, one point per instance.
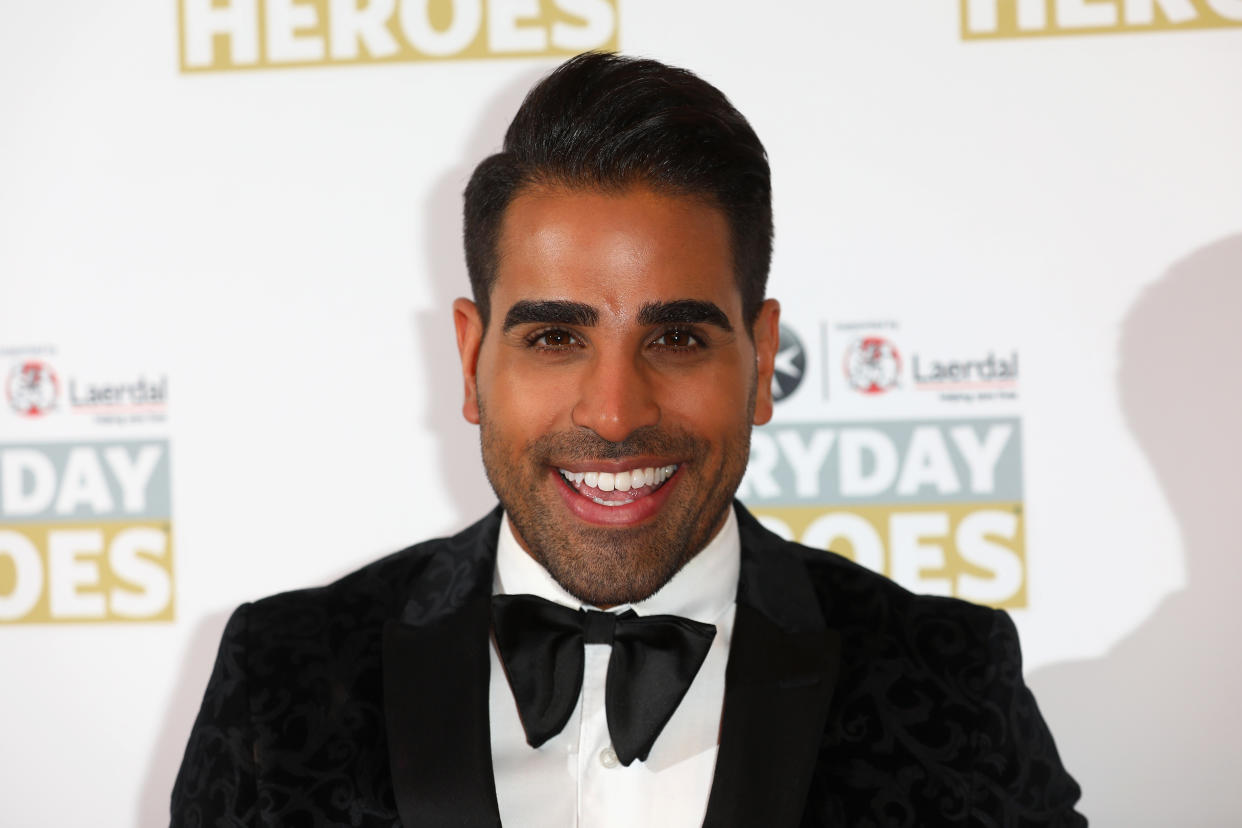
(32, 388)
(872, 365)
(790, 365)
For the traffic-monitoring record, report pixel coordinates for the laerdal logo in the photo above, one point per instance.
(872, 365)
(32, 388)
(990, 371)
(218, 35)
(141, 394)
(987, 19)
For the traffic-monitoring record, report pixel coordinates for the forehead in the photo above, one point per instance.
(614, 250)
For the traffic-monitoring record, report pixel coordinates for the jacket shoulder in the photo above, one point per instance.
(296, 694)
(852, 597)
(380, 590)
(930, 721)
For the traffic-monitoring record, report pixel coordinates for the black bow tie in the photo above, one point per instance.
(654, 659)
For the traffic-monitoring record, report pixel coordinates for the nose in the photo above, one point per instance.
(616, 396)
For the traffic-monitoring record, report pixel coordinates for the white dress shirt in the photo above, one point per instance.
(574, 779)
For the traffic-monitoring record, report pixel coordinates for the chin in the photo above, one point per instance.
(609, 566)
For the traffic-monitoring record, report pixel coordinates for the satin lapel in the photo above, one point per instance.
(436, 670)
(783, 665)
(777, 690)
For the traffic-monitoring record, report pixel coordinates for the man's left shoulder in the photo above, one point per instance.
(930, 717)
(852, 596)
(883, 629)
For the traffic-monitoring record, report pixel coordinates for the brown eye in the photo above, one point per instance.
(677, 338)
(554, 339)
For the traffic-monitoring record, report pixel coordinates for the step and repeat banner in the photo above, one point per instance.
(1008, 251)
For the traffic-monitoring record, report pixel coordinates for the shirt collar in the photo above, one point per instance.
(704, 588)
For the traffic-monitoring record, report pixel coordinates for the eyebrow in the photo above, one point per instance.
(683, 312)
(554, 312)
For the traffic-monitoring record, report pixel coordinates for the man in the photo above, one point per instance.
(616, 354)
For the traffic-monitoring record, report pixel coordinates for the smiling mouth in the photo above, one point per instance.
(621, 488)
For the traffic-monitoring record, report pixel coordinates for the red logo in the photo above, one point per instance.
(32, 388)
(872, 365)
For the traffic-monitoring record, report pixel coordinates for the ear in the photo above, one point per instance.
(469, 327)
(766, 334)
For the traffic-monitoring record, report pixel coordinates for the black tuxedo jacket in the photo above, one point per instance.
(848, 702)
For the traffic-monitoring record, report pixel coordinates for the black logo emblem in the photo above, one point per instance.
(790, 365)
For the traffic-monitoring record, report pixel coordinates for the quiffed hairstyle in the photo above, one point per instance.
(607, 122)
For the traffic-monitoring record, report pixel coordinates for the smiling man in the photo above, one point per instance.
(619, 643)
(617, 382)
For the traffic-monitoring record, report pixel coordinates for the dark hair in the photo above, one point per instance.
(604, 121)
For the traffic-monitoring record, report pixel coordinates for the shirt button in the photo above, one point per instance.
(608, 757)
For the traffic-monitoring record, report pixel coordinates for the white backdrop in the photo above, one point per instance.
(258, 263)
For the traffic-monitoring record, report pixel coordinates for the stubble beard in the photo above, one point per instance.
(607, 566)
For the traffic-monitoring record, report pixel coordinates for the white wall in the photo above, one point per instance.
(281, 246)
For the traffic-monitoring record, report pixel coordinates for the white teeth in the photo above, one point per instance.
(620, 481)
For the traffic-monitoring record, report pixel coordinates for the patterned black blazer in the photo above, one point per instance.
(848, 702)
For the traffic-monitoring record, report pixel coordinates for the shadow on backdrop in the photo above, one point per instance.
(1153, 729)
(460, 464)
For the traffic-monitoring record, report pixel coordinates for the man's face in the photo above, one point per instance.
(616, 383)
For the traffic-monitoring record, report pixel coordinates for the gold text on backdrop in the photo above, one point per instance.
(219, 35)
(991, 19)
(935, 505)
(85, 532)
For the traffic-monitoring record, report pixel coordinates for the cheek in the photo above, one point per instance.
(521, 407)
(714, 404)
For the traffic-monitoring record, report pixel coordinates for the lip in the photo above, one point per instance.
(630, 514)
